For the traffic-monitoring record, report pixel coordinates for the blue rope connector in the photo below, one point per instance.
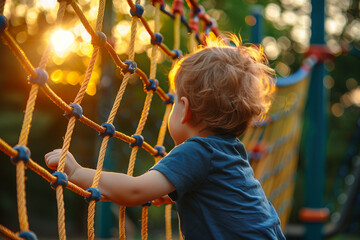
(131, 68)
(28, 235)
(153, 85)
(139, 141)
(41, 77)
(62, 179)
(171, 99)
(149, 203)
(76, 111)
(95, 194)
(158, 39)
(99, 40)
(109, 131)
(138, 12)
(23, 154)
(161, 151)
(178, 54)
(3, 24)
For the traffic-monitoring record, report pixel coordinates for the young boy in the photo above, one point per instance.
(219, 91)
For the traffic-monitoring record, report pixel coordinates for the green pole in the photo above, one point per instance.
(105, 224)
(316, 132)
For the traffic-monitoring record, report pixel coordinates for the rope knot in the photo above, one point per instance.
(40, 78)
(170, 99)
(95, 194)
(61, 179)
(27, 235)
(99, 40)
(152, 86)
(160, 151)
(109, 130)
(76, 111)
(23, 154)
(3, 24)
(131, 67)
(157, 40)
(138, 12)
(139, 141)
(177, 54)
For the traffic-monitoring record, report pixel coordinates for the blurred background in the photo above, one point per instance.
(286, 36)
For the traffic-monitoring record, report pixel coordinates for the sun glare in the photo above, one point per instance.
(61, 40)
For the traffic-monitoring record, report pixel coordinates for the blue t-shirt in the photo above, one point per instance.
(217, 196)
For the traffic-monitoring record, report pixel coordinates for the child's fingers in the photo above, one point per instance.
(158, 202)
(52, 159)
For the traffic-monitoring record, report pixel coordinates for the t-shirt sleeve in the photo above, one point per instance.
(186, 167)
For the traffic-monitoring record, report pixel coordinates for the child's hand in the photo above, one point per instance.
(52, 160)
(162, 200)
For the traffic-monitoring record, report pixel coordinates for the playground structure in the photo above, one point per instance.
(274, 159)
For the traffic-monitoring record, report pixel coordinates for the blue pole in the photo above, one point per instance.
(257, 29)
(316, 132)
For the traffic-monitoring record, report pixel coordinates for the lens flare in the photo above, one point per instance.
(61, 41)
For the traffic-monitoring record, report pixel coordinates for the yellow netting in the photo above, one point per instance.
(273, 144)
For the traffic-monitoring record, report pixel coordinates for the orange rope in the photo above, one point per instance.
(144, 220)
(168, 222)
(8, 234)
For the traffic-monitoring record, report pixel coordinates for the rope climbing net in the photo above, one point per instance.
(272, 143)
(20, 154)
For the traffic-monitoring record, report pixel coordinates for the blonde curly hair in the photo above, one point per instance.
(227, 86)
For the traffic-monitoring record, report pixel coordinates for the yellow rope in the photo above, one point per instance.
(163, 128)
(144, 232)
(145, 112)
(69, 131)
(168, 230)
(23, 139)
(8, 234)
(134, 20)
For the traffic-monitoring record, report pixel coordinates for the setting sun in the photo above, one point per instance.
(61, 40)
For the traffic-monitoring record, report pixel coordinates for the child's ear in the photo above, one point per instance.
(186, 115)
